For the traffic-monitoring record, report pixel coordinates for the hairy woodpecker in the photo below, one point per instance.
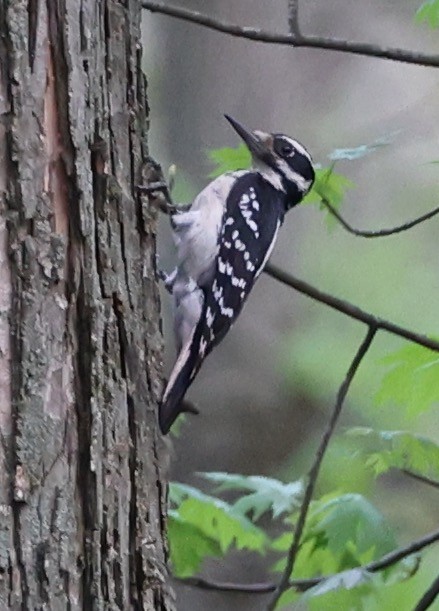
(223, 241)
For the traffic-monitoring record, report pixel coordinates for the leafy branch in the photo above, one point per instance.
(295, 38)
(329, 190)
(302, 585)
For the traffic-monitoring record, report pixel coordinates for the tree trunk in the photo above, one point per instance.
(82, 492)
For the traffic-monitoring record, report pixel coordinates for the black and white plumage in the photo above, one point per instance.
(224, 240)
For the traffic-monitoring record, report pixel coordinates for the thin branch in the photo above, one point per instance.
(434, 483)
(401, 553)
(228, 586)
(295, 40)
(381, 232)
(349, 309)
(315, 469)
(293, 18)
(301, 585)
(429, 597)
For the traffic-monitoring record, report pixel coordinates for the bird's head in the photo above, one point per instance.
(284, 162)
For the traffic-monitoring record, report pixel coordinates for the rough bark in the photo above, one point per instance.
(82, 498)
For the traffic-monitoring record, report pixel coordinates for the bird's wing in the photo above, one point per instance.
(247, 236)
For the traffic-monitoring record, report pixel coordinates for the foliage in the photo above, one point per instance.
(386, 450)
(188, 545)
(329, 186)
(342, 534)
(201, 525)
(412, 381)
(265, 493)
(428, 13)
(229, 159)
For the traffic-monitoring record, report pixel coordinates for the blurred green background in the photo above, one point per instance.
(266, 391)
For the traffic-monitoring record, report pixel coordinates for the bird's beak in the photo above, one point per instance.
(257, 146)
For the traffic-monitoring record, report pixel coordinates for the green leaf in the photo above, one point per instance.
(354, 578)
(328, 185)
(216, 519)
(331, 187)
(229, 159)
(428, 13)
(349, 600)
(357, 578)
(413, 379)
(266, 494)
(349, 525)
(188, 546)
(342, 532)
(287, 599)
(386, 450)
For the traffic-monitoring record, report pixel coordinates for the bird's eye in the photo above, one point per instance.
(287, 150)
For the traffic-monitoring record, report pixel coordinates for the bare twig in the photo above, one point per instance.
(403, 552)
(434, 483)
(294, 40)
(429, 597)
(301, 585)
(293, 18)
(228, 586)
(349, 309)
(381, 232)
(315, 469)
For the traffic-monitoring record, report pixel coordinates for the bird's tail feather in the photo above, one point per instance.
(181, 377)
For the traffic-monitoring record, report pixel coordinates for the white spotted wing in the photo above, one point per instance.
(250, 224)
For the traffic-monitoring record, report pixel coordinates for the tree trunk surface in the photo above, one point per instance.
(82, 488)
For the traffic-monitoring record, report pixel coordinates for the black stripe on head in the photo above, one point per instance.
(294, 162)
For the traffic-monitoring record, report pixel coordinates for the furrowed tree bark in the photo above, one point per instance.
(82, 490)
